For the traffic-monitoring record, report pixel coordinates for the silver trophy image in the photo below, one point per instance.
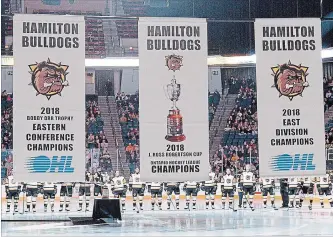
(174, 119)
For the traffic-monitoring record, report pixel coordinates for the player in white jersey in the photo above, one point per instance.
(294, 187)
(228, 188)
(49, 191)
(66, 192)
(267, 187)
(209, 187)
(137, 187)
(191, 188)
(307, 186)
(84, 192)
(119, 188)
(172, 187)
(155, 189)
(247, 184)
(324, 186)
(32, 190)
(13, 190)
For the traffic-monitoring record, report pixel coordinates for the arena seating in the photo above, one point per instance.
(134, 7)
(328, 92)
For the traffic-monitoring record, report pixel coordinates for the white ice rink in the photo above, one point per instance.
(201, 222)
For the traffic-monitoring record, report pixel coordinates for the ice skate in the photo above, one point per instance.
(61, 208)
(265, 205)
(207, 206)
(223, 206)
(194, 207)
(34, 210)
(8, 210)
(45, 208)
(187, 206)
(52, 208)
(213, 206)
(168, 206)
(322, 205)
(310, 207)
(152, 207)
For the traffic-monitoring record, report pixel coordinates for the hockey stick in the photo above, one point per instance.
(252, 209)
(296, 193)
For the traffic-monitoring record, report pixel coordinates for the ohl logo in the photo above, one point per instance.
(44, 164)
(286, 162)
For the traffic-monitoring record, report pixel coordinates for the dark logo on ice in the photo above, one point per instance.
(48, 78)
(174, 62)
(290, 80)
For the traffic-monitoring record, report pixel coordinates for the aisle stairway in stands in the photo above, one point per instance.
(219, 122)
(112, 42)
(112, 132)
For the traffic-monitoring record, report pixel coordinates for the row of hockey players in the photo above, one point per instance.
(298, 188)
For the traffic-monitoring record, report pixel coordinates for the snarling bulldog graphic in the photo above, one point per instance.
(174, 62)
(48, 78)
(290, 80)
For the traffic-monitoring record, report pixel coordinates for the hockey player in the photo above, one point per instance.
(294, 189)
(119, 188)
(32, 189)
(191, 188)
(307, 186)
(155, 189)
(228, 188)
(267, 187)
(66, 192)
(248, 186)
(98, 184)
(324, 186)
(209, 187)
(13, 190)
(84, 192)
(49, 191)
(172, 187)
(138, 188)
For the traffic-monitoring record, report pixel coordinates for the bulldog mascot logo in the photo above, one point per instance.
(48, 78)
(174, 62)
(290, 80)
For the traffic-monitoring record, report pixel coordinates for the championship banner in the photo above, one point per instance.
(173, 94)
(49, 98)
(290, 97)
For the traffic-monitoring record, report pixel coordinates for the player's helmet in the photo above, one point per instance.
(228, 171)
(117, 173)
(248, 168)
(137, 170)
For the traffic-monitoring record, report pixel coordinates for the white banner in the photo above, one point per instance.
(290, 97)
(49, 98)
(173, 89)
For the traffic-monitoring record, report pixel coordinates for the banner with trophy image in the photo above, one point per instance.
(173, 90)
(290, 97)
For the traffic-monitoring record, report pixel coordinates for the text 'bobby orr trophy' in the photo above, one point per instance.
(175, 120)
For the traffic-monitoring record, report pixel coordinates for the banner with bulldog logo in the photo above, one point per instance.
(290, 97)
(174, 141)
(49, 98)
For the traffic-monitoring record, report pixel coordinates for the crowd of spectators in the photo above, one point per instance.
(328, 92)
(128, 110)
(6, 120)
